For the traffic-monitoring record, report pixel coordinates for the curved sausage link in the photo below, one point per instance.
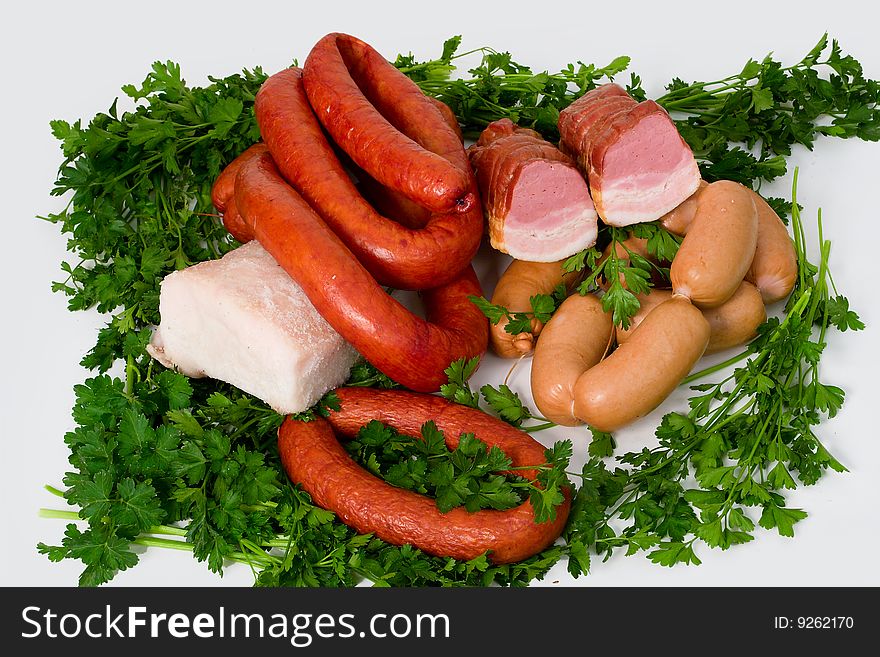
(223, 189)
(719, 247)
(364, 102)
(571, 385)
(412, 351)
(518, 284)
(672, 337)
(223, 193)
(575, 339)
(398, 256)
(731, 324)
(774, 268)
(313, 458)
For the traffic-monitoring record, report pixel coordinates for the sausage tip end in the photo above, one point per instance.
(465, 203)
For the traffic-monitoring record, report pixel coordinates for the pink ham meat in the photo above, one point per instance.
(638, 166)
(537, 202)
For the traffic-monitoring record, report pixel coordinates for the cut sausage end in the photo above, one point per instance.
(465, 203)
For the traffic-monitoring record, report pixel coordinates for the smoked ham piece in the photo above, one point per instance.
(536, 201)
(638, 166)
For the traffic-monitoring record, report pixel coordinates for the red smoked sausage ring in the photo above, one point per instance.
(395, 255)
(313, 458)
(223, 194)
(223, 189)
(363, 101)
(412, 351)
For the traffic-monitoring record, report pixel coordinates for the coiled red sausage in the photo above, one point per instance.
(223, 193)
(395, 255)
(362, 101)
(313, 458)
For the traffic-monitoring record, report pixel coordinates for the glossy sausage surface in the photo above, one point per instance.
(679, 219)
(314, 458)
(641, 373)
(223, 189)
(735, 321)
(731, 324)
(774, 269)
(396, 255)
(364, 102)
(719, 247)
(574, 340)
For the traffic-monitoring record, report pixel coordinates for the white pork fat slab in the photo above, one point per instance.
(243, 320)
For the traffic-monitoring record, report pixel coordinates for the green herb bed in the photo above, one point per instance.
(160, 460)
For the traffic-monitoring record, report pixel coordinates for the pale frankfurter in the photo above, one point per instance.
(574, 340)
(641, 373)
(719, 247)
(733, 323)
(774, 268)
(518, 284)
(678, 220)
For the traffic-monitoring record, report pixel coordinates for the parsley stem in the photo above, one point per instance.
(58, 514)
(240, 557)
(57, 492)
(715, 368)
(149, 541)
(538, 427)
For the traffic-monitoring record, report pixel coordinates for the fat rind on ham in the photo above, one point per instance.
(637, 165)
(537, 203)
(243, 320)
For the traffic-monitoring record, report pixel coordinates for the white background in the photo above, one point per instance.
(68, 60)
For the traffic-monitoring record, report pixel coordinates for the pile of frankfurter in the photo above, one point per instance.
(361, 181)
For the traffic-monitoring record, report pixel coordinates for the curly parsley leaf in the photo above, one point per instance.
(458, 389)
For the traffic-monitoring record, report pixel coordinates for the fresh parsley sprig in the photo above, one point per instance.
(139, 195)
(772, 107)
(543, 307)
(472, 475)
(624, 277)
(499, 87)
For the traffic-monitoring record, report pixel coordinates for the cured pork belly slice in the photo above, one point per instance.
(639, 167)
(243, 320)
(550, 215)
(570, 117)
(537, 203)
(591, 122)
(597, 119)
